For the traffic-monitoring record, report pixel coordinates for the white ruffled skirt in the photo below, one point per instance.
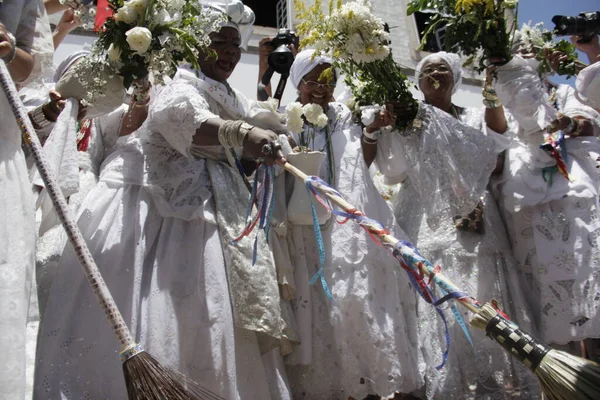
(168, 279)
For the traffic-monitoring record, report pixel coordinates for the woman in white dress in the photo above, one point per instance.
(446, 209)
(553, 222)
(160, 224)
(23, 47)
(364, 341)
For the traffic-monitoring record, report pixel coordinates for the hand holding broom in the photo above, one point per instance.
(145, 377)
(562, 376)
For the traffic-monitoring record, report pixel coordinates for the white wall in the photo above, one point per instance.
(245, 76)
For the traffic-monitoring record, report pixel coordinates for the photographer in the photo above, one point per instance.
(269, 62)
(591, 48)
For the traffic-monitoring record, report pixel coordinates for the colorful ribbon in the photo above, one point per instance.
(264, 198)
(555, 145)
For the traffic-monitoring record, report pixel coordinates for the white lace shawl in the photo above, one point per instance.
(447, 162)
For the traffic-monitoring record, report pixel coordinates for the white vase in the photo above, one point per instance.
(299, 211)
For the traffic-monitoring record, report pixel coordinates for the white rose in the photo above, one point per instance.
(322, 121)
(162, 17)
(312, 112)
(114, 53)
(295, 124)
(138, 5)
(127, 15)
(139, 39)
(294, 110)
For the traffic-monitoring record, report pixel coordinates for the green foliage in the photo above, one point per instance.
(476, 29)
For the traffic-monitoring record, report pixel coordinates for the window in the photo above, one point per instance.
(435, 42)
(265, 11)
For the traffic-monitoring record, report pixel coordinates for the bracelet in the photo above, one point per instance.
(366, 140)
(38, 117)
(490, 97)
(10, 57)
(371, 135)
(232, 133)
(572, 127)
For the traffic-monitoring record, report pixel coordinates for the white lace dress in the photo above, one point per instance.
(447, 166)
(162, 258)
(554, 228)
(99, 143)
(365, 340)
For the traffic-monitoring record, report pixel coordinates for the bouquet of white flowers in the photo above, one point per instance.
(538, 41)
(143, 40)
(356, 40)
(313, 115)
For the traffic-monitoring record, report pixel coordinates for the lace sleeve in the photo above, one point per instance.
(475, 118)
(569, 105)
(176, 113)
(524, 94)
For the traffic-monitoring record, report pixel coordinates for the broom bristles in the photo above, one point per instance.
(147, 379)
(562, 376)
(566, 377)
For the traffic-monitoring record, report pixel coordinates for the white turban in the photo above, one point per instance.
(588, 85)
(67, 62)
(304, 63)
(240, 17)
(451, 59)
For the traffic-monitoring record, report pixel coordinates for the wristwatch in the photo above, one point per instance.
(10, 56)
(39, 118)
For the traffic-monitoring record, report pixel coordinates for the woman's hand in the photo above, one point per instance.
(382, 119)
(56, 105)
(6, 45)
(556, 58)
(255, 144)
(576, 126)
(591, 49)
(69, 21)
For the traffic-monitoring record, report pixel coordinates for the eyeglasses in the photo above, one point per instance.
(315, 85)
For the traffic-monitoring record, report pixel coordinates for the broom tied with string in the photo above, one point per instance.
(145, 377)
(562, 376)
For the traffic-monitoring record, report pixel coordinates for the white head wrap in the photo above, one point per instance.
(588, 85)
(304, 63)
(67, 62)
(451, 59)
(241, 17)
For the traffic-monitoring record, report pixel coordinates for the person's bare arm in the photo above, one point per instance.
(19, 62)
(54, 6)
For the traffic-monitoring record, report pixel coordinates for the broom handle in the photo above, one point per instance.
(60, 204)
(383, 238)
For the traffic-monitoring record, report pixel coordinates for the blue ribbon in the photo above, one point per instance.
(320, 245)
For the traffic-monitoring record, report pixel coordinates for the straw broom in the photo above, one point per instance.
(145, 377)
(562, 376)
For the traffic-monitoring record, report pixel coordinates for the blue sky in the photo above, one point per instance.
(544, 10)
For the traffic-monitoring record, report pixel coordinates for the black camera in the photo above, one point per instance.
(586, 25)
(281, 58)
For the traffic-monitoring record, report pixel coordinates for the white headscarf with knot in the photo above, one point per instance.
(451, 59)
(240, 17)
(304, 63)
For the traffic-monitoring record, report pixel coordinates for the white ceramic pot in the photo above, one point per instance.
(299, 211)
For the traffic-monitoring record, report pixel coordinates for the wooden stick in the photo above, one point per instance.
(386, 239)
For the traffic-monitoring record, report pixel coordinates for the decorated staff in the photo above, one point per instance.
(562, 376)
